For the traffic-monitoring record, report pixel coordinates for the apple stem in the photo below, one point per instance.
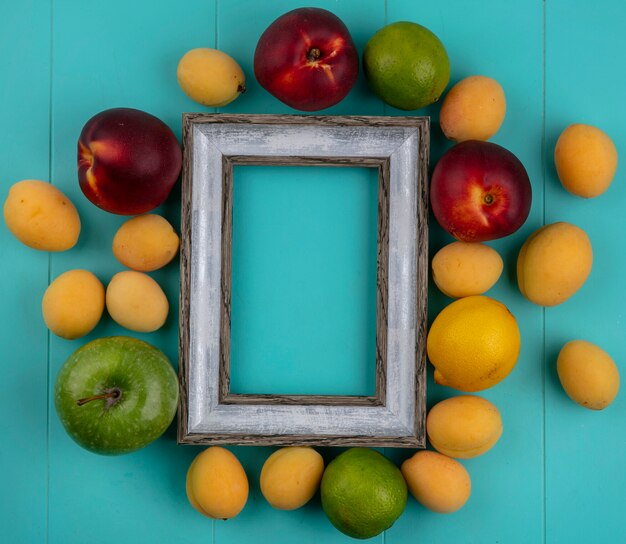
(111, 396)
(488, 199)
(241, 89)
(314, 54)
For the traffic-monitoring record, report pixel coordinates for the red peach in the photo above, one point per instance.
(306, 58)
(128, 161)
(480, 191)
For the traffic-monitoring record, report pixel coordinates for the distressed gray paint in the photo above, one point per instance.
(400, 420)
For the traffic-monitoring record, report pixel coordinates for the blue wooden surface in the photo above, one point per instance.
(557, 474)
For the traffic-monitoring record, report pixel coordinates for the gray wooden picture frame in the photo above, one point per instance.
(208, 412)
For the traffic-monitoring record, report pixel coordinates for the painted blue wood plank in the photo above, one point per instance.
(503, 41)
(110, 55)
(586, 480)
(24, 154)
(237, 36)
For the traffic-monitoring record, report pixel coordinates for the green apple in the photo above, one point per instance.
(116, 395)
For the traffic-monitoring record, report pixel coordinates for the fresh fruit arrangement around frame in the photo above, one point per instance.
(94, 383)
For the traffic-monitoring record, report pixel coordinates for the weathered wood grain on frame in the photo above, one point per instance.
(398, 148)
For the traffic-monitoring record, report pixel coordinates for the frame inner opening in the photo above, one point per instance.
(304, 280)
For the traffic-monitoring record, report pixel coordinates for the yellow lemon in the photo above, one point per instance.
(473, 343)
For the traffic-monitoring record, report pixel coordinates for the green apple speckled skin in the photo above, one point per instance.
(116, 395)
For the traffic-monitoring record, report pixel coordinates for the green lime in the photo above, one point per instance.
(406, 65)
(363, 493)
